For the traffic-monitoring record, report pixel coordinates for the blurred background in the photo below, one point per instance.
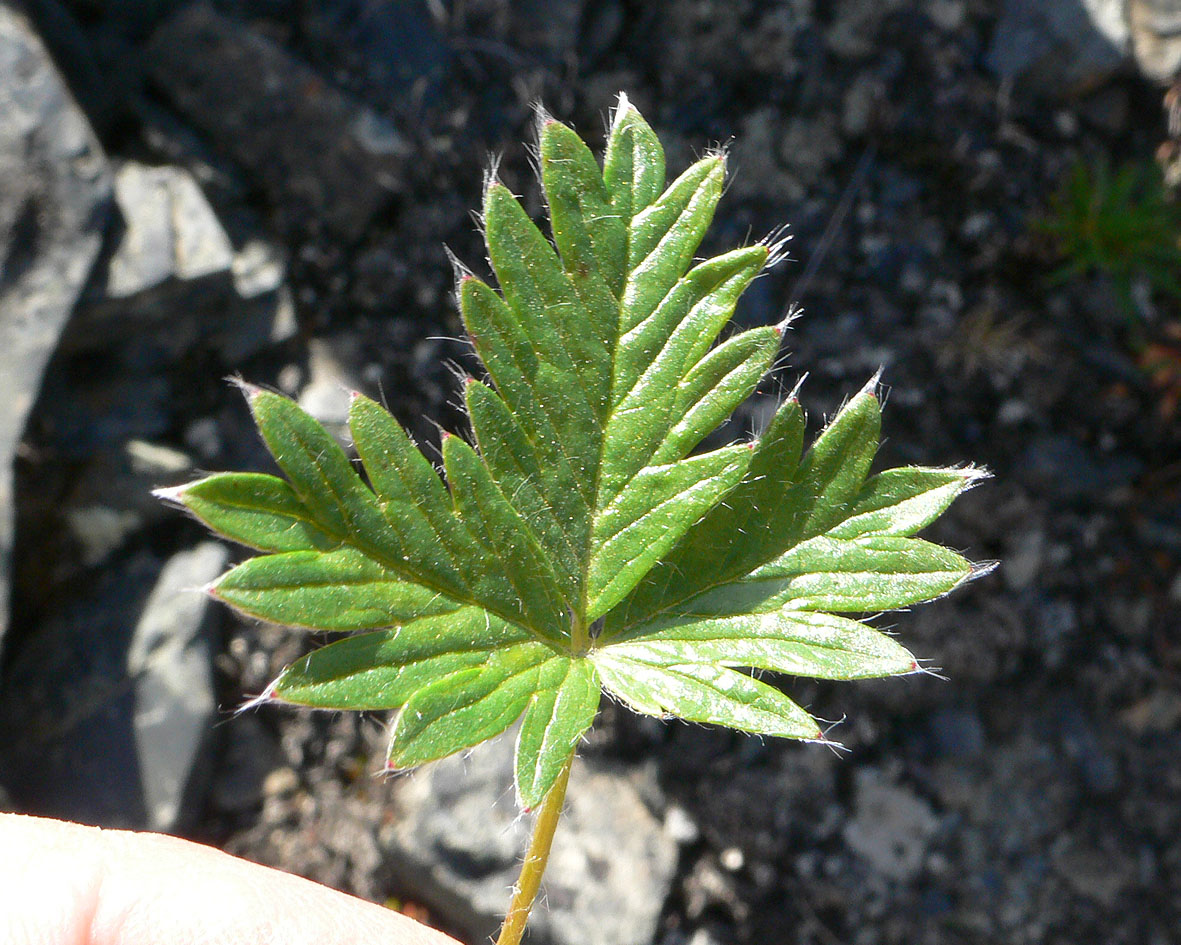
(982, 199)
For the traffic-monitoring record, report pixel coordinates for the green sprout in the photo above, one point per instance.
(581, 545)
(1118, 224)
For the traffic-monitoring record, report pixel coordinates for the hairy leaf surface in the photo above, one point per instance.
(585, 541)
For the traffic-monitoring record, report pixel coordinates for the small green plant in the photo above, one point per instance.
(581, 544)
(1119, 224)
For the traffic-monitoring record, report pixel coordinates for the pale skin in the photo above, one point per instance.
(65, 884)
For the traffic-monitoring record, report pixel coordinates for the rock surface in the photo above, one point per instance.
(173, 275)
(108, 711)
(1059, 48)
(54, 198)
(170, 660)
(318, 154)
(1156, 37)
(1035, 788)
(459, 839)
(890, 828)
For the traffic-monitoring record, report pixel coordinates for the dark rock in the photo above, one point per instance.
(957, 732)
(97, 87)
(320, 157)
(172, 280)
(550, 27)
(459, 840)
(1058, 48)
(132, 19)
(1094, 765)
(396, 45)
(108, 707)
(252, 768)
(1061, 467)
(54, 199)
(90, 404)
(602, 25)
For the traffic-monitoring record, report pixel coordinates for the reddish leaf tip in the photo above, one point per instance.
(174, 494)
(267, 695)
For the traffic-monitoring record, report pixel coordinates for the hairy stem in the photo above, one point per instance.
(535, 859)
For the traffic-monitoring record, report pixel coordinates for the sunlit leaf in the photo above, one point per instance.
(583, 541)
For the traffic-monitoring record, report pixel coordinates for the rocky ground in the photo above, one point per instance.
(264, 188)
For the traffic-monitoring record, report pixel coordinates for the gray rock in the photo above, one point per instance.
(331, 379)
(54, 198)
(1025, 557)
(107, 715)
(1059, 48)
(320, 156)
(458, 841)
(891, 827)
(173, 277)
(1101, 875)
(170, 661)
(264, 310)
(171, 232)
(170, 257)
(1156, 37)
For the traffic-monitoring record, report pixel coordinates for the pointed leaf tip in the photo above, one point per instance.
(249, 391)
(980, 569)
(264, 697)
(173, 494)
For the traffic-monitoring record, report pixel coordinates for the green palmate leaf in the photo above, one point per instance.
(558, 714)
(583, 542)
(260, 511)
(803, 643)
(462, 709)
(859, 576)
(337, 590)
(703, 692)
(382, 670)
